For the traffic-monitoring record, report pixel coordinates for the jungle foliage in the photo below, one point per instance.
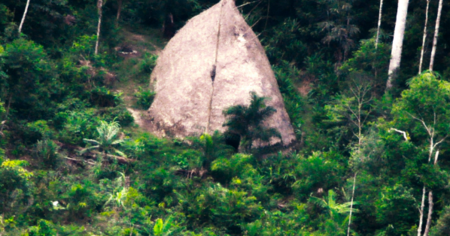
(73, 162)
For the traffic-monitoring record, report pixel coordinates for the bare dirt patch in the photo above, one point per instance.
(137, 115)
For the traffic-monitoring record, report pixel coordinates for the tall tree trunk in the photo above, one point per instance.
(430, 202)
(24, 15)
(380, 14)
(436, 32)
(422, 205)
(99, 8)
(424, 37)
(397, 44)
(351, 205)
(119, 9)
(430, 213)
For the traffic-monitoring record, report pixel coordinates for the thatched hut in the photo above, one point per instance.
(212, 63)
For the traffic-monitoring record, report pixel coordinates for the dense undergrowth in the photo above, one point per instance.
(73, 161)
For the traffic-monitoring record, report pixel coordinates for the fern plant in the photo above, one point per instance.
(120, 193)
(214, 147)
(108, 139)
(164, 228)
(144, 98)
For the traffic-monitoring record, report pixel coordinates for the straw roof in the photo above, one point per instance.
(212, 63)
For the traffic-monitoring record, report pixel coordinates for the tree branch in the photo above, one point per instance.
(421, 121)
(402, 132)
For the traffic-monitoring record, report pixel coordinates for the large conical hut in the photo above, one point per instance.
(212, 63)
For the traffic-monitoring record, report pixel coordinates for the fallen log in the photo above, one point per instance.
(79, 161)
(193, 172)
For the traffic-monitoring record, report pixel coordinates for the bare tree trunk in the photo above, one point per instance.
(351, 205)
(267, 15)
(436, 32)
(6, 115)
(24, 15)
(119, 9)
(430, 202)
(397, 44)
(424, 37)
(422, 205)
(99, 8)
(379, 23)
(430, 212)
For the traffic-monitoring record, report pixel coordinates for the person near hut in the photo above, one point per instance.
(168, 26)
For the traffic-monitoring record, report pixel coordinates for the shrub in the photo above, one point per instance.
(315, 172)
(224, 169)
(47, 153)
(14, 184)
(118, 113)
(38, 130)
(442, 226)
(159, 184)
(103, 97)
(78, 125)
(147, 64)
(144, 98)
(43, 228)
(224, 208)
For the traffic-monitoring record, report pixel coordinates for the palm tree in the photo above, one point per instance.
(247, 122)
(108, 138)
(338, 26)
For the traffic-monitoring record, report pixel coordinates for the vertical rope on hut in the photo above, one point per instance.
(213, 71)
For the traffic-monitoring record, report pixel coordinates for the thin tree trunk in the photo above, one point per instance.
(267, 15)
(7, 113)
(24, 15)
(397, 44)
(430, 202)
(430, 212)
(351, 205)
(424, 37)
(119, 9)
(347, 33)
(436, 32)
(422, 205)
(99, 8)
(379, 23)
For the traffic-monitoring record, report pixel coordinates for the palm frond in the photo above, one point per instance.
(89, 148)
(120, 153)
(93, 141)
(318, 201)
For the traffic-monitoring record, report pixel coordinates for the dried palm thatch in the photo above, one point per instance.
(212, 63)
